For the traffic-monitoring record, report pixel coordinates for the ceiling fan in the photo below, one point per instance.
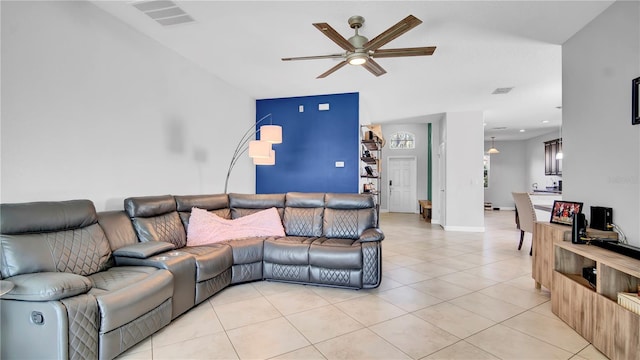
(361, 51)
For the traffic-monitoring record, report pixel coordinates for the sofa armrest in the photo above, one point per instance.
(47, 286)
(144, 250)
(371, 234)
(169, 260)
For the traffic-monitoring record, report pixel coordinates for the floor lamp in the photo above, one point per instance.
(259, 150)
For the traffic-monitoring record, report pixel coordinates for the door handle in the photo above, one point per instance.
(390, 182)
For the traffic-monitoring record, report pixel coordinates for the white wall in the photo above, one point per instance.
(93, 109)
(601, 147)
(462, 136)
(506, 173)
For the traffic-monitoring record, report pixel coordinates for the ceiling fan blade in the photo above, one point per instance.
(374, 67)
(332, 34)
(393, 32)
(331, 56)
(417, 51)
(332, 70)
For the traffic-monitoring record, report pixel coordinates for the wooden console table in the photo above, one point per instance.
(593, 312)
(545, 235)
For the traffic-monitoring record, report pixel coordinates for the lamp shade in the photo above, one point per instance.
(271, 160)
(492, 149)
(271, 133)
(259, 149)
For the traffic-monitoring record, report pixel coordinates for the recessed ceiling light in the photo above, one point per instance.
(545, 121)
(522, 130)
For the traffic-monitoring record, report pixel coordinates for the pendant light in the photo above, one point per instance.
(492, 149)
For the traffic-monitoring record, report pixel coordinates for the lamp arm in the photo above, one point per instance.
(241, 147)
(247, 135)
(231, 165)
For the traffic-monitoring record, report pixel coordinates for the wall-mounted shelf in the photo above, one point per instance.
(371, 155)
(373, 145)
(369, 160)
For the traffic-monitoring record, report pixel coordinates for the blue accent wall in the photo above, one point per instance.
(312, 142)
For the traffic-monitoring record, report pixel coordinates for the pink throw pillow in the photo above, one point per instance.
(207, 228)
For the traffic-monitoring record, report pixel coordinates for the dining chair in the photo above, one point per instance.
(526, 216)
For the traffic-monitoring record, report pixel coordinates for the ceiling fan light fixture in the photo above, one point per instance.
(357, 58)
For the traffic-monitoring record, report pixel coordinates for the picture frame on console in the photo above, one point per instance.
(563, 212)
(635, 101)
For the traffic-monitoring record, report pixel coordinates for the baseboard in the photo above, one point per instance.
(387, 210)
(464, 228)
(502, 208)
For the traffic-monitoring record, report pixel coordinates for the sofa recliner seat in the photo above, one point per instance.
(128, 251)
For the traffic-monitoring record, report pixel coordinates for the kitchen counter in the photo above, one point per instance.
(546, 208)
(542, 201)
(546, 191)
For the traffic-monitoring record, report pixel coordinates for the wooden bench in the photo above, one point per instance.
(425, 209)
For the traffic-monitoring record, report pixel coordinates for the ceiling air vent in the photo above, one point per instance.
(165, 12)
(503, 90)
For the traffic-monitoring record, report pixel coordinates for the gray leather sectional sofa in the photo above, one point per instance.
(90, 285)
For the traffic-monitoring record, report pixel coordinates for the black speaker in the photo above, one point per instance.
(590, 273)
(578, 228)
(601, 218)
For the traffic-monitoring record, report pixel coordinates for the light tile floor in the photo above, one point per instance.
(444, 295)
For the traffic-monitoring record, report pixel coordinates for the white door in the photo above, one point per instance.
(402, 184)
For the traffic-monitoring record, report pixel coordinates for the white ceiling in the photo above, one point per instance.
(481, 46)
